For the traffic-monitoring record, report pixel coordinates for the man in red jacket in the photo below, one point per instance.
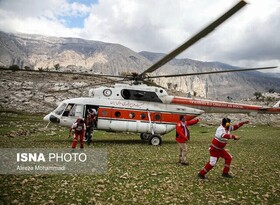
(182, 136)
(217, 146)
(79, 128)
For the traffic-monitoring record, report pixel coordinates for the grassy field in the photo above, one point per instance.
(142, 174)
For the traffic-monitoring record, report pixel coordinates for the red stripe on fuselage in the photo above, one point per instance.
(140, 115)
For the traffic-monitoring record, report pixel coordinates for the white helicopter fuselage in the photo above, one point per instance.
(143, 109)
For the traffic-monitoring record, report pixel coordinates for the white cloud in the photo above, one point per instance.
(250, 38)
(40, 17)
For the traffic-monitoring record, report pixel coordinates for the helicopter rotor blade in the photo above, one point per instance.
(91, 84)
(104, 83)
(211, 72)
(105, 77)
(194, 39)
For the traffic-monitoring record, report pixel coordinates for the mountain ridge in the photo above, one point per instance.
(80, 55)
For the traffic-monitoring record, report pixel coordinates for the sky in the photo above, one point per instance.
(249, 39)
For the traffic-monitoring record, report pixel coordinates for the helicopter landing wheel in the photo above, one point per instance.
(155, 140)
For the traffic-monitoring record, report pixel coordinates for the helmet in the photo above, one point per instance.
(225, 121)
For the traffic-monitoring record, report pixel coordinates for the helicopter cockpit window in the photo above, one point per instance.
(68, 109)
(150, 96)
(59, 110)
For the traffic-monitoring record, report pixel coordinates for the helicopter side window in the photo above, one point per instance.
(59, 110)
(117, 114)
(143, 116)
(104, 113)
(132, 115)
(157, 117)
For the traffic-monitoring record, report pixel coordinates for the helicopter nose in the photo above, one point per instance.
(51, 118)
(47, 118)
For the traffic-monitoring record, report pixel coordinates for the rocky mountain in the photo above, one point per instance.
(215, 86)
(79, 55)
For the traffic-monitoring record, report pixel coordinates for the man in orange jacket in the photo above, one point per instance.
(182, 136)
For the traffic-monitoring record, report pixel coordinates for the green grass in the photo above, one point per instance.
(142, 174)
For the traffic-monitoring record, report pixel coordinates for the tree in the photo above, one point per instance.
(271, 90)
(14, 67)
(27, 68)
(258, 95)
(169, 85)
(57, 66)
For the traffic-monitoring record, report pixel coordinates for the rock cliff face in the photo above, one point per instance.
(40, 92)
(72, 54)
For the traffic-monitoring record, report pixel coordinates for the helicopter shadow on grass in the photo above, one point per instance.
(126, 142)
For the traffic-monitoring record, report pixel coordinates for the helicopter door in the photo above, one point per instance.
(104, 118)
(156, 119)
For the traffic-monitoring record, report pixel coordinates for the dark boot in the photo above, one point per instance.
(185, 163)
(227, 175)
(200, 176)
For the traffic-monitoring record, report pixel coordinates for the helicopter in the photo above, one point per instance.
(150, 110)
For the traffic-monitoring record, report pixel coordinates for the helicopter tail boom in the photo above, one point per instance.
(210, 106)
